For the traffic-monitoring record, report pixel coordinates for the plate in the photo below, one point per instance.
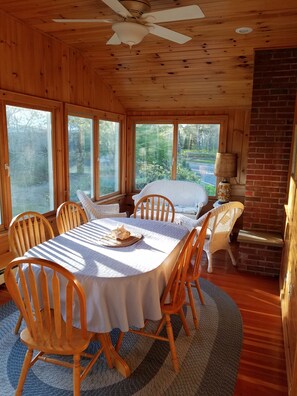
(108, 241)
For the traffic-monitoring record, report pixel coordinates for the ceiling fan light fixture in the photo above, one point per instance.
(130, 33)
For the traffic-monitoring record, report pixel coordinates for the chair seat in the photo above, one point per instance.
(173, 308)
(190, 272)
(57, 346)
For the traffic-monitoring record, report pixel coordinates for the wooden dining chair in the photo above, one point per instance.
(172, 301)
(69, 215)
(25, 231)
(155, 207)
(193, 273)
(56, 325)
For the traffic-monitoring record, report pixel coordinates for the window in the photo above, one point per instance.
(43, 164)
(196, 155)
(109, 148)
(177, 150)
(31, 156)
(94, 152)
(154, 145)
(80, 155)
(29, 134)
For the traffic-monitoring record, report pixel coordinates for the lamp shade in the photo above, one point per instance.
(130, 33)
(226, 165)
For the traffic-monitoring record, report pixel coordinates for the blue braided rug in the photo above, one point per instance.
(209, 358)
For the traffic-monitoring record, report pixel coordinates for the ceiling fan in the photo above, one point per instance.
(134, 21)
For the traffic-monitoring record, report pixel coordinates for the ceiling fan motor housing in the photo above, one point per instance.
(136, 7)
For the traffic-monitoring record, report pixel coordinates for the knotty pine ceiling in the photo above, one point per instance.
(214, 69)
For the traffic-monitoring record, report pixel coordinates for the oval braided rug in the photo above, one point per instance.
(209, 358)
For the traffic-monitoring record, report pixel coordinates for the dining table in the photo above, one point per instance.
(123, 280)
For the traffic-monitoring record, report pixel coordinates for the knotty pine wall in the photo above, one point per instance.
(34, 64)
(288, 275)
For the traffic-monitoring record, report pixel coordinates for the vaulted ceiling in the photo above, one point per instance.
(214, 69)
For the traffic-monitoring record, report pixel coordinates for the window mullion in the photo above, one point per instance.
(96, 158)
(174, 150)
(6, 209)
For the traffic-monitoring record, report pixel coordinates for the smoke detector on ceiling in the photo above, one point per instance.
(244, 30)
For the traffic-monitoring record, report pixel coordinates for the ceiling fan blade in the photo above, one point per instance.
(114, 40)
(117, 7)
(174, 14)
(168, 34)
(84, 20)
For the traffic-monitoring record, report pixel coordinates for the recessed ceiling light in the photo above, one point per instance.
(243, 30)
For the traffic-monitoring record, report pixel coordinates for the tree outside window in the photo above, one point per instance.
(109, 146)
(197, 145)
(30, 159)
(80, 155)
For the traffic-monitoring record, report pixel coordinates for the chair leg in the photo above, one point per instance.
(76, 375)
(104, 341)
(171, 343)
(185, 324)
(192, 304)
(161, 325)
(119, 341)
(231, 256)
(199, 291)
(24, 372)
(209, 258)
(18, 324)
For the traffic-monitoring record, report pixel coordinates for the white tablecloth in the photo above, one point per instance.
(122, 285)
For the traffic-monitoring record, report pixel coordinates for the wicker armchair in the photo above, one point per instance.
(94, 211)
(221, 223)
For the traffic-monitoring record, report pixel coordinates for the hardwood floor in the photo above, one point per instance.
(262, 368)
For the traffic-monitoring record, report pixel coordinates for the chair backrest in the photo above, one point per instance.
(180, 192)
(221, 222)
(27, 230)
(154, 207)
(197, 250)
(44, 291)
(174, 294)
(87, 204)
(69, 215)
(94, 211)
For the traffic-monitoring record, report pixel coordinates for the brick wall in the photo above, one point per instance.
(259, 259)
(274, 93)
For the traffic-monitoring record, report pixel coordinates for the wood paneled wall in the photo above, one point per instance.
(34, 64)
(288, 275)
